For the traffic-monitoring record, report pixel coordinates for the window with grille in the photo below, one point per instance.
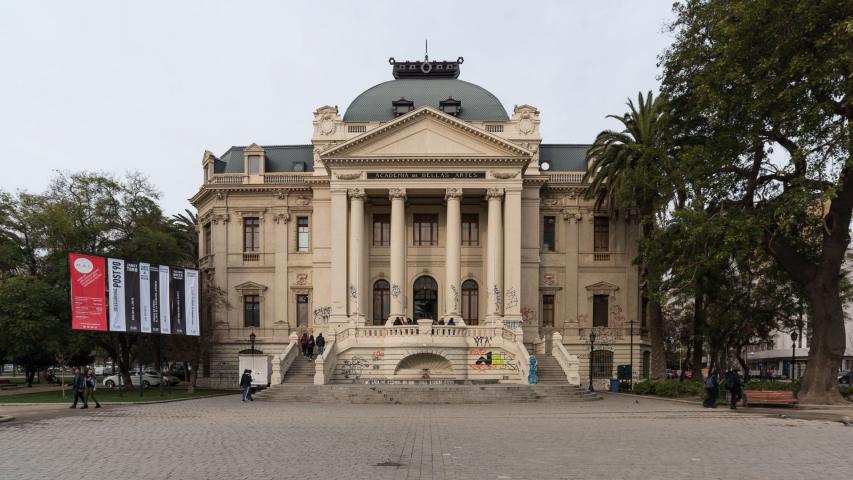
(251, 234)
(599, 310)
(425, 229)
(470, 302)
(381, 302)
(207, 240)
(251, 311)
(549, 233)
(470, 229)
(381, 229)
(602, 364)
(547, 310)
(302, 234)
(601, 236)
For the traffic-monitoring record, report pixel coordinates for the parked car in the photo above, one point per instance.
(148, 380)
(105, 370)
(844, 377)
(167, 379)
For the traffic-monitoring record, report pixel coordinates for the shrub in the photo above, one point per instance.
(847, 392)
(768, 385)
(674, 388)
(646, 387)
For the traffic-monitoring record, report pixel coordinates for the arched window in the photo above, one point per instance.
(425, 296)
(381, 302)
(602, 364)
(470, 302)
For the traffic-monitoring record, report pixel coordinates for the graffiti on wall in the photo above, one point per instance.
(496, 296)
(395, 290)
(528, 315)
(495, 361)
(511, 297)
(482, 341)
(353, 367)
(322, 314)
(353, 292)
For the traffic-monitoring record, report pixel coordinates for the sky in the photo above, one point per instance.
(149, 86)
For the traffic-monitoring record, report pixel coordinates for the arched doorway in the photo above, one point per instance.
(381, 302)
(425, 298)
(470, 302)
(424, 366)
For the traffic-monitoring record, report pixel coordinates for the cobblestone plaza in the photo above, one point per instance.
(222, 438)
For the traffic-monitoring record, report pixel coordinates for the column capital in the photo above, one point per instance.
(397, 193)
(356, 193)
(452, 193)
(494, 193)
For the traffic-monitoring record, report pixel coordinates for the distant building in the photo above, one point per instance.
(424, 200)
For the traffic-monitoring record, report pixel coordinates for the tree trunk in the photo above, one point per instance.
(698, 339)
(826, 347)
(656, 337)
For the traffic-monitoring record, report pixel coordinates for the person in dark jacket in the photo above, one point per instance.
(711, 388)
(91, 384)
(303, 344)
(321, 344)
(734, 386)
(398, 321)
(246, 384)
(78, 383)
(310, 347)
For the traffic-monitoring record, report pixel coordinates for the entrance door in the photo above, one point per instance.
(302, 310)
(425, 298)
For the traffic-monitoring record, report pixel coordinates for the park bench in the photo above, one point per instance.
(770, 397)
(7, 385)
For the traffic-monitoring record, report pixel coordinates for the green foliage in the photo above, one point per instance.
(847, 392)
(768, 385)
(646, 387)
(670, 388)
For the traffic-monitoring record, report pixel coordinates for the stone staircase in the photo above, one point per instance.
(549, 371)
(425, 394)
(301, 371)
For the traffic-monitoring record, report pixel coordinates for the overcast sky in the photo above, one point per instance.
(148, 86)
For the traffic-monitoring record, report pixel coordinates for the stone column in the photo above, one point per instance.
(512, 254)
(398, 252)
(453, 255)
(494, 257)
(338, 258)
(281, 285)
(356, 255)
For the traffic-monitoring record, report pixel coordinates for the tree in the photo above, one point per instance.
(632, 169)
(750, 79)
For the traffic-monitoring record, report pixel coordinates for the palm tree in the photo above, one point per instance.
(631, 170)
(185, 226)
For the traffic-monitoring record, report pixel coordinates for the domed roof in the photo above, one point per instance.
(478, 104)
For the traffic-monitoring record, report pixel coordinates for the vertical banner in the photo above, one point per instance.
(131, 296)
(154, 297)
(191, 301)
(145, 297)
(176, 290)
(88, 294)
(118, 322)
(165, 310)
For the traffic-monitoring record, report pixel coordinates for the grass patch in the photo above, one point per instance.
(111, 395)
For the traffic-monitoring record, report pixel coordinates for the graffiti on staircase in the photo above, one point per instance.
(494, 361)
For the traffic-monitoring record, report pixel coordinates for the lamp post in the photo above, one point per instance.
(591, 351)
(793, 352)
(252, 338)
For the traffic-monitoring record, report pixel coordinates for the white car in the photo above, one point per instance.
(149, 379)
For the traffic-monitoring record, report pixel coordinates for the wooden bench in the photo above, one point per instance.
(770, 397)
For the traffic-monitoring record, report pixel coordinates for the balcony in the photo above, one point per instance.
(228, 179)
(605, 334)
(251, 257)
(283, 179)
(571, 177)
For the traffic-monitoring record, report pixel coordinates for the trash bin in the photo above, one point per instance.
(614, 385)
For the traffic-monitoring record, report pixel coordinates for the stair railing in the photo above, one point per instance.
(282, 362)
(324, 365)
(568, 362)
(523, 358)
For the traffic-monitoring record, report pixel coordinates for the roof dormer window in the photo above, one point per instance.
(254, 165)
(450, 106)
(402, 106)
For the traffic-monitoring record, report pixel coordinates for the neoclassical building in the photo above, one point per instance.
(426, 200)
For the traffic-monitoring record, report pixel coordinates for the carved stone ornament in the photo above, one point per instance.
(494, 193)
(220, 195)
(548, 279)
(356, 193)
(527, 117)
(220, 218)
(397, 193)
(282, 217)
(505, 174)
(327, 125)
(302, 200)
(453, 193)
(302, 279)
(326, 118)
(549, 201)
(347, 175)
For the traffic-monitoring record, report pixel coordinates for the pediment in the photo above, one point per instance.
(602, 286)
(246, 286)
(425, 133)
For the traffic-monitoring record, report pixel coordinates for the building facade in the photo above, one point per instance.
(426, 201)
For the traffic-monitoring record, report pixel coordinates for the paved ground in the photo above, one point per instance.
(222, 438)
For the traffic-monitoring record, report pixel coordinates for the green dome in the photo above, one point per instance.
(478, 104)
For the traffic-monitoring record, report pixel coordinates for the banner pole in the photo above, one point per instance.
(160, 355)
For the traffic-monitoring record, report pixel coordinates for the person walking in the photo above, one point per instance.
(78, 383)
(310, 347)
(321, 344)
(91, 384)
(246, 384)
(711, 389)
(303, 344)
(734, 386)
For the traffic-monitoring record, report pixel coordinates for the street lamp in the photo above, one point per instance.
(252, 338)
(591, 351)
(793, 352)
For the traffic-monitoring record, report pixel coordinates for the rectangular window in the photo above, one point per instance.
(547, 310)
(549, 234)
(302, 234)
(381, 229)
(644, 311)
(207, 242)
(601, 235)
(302, 310)
(251, 311)
(470, 229)
(254, 164)
(599, 310)
(251, 234)
(425, 229)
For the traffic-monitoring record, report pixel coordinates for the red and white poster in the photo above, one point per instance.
(88, 292)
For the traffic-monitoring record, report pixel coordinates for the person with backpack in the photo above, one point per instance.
(321, 344)
(246, 384)
(91, 383)
(310, 347)
(734, 386)
(711, 388)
